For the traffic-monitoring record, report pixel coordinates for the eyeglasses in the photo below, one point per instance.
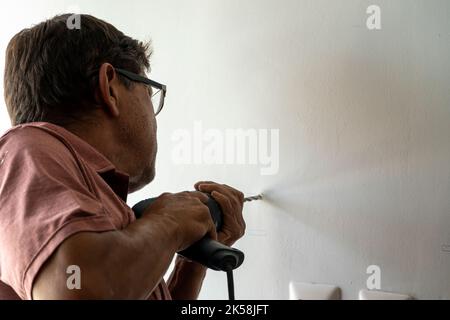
(157, 90)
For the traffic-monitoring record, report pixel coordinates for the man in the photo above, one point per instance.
(84, 137)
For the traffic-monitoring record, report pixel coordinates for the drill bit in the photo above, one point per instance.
(252, 198)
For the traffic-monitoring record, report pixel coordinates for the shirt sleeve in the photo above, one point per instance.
(45, 199)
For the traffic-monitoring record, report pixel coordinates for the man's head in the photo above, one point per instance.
(67, 77)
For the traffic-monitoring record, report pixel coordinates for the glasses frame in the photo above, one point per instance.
(138, 78)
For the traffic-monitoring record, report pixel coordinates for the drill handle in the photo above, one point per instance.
(206, 251)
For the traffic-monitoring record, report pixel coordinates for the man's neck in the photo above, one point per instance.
(102, 138)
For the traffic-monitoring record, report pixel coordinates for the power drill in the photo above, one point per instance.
(206, 251)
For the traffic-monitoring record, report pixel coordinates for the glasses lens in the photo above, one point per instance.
(157, 100)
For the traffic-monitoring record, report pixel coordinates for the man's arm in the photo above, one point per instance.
(125, 264)
(128, 263)
(186, 279)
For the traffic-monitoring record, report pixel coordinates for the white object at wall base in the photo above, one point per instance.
(365, 294)
(313, 291)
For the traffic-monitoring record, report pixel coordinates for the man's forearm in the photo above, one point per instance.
(186, 279)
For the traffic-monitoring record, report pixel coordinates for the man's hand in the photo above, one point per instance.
(189, 211)
(231, 201)
(187, 277)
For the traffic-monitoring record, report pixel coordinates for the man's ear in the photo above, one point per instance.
(108, 89)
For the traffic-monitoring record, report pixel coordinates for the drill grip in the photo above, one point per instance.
(206, 251)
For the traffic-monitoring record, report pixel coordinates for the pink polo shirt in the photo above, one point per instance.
(53, 184)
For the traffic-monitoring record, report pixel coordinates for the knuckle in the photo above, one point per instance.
(204, 210)
(196, 203)
(166, 195)
(198, 194)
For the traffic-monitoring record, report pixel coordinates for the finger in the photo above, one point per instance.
(210, 187)
(235, 199)
(239, 193)
(229, 234)
(223, 201)
(233, 219)
(236, 212)
(222, 188)
(196, 186)
(224, 237)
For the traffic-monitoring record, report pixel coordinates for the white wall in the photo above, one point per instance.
(364, 119)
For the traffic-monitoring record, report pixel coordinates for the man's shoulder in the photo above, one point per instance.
(34, 139)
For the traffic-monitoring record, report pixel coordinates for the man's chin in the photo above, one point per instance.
(144, 179)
